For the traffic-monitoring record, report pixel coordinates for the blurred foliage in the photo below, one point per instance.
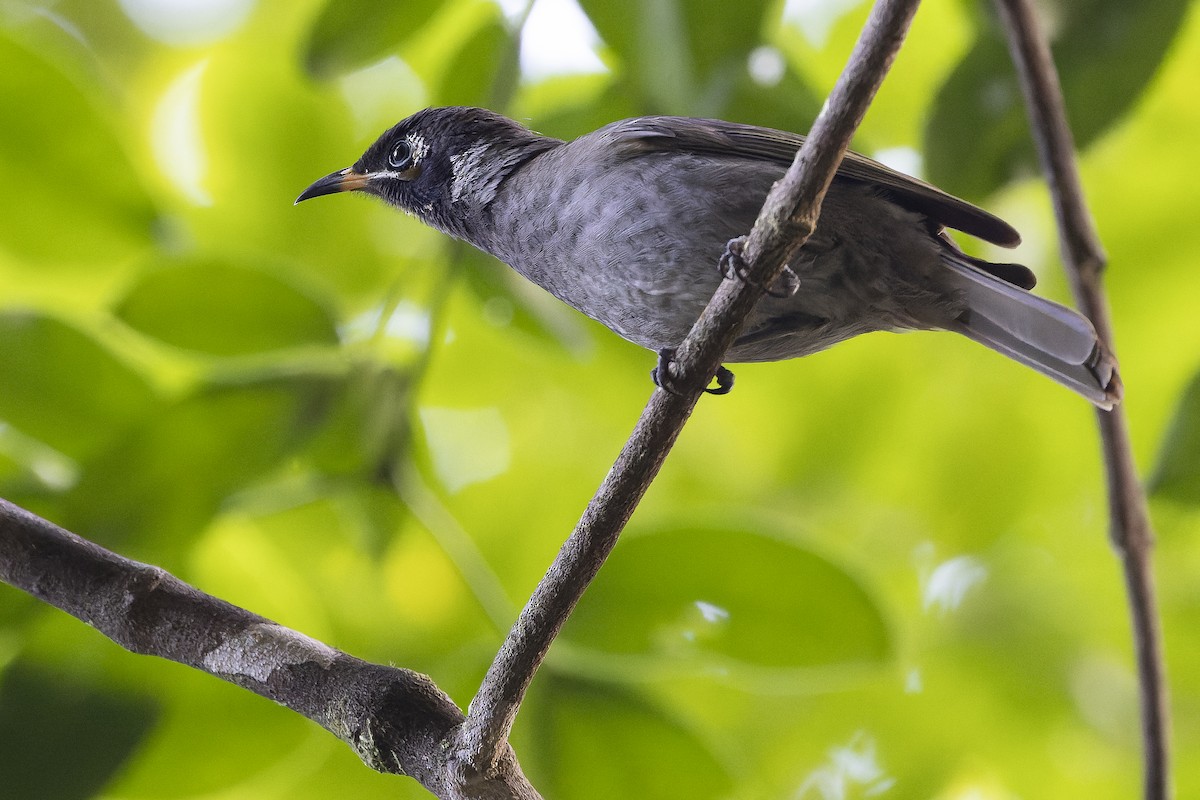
(1106, 52)
(1177, 473)
(103, 728)
(880, 571)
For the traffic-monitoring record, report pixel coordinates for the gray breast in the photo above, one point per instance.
(635, 246)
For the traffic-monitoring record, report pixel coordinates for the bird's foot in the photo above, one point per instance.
(661, 375)
(733, 265)
(724, 380)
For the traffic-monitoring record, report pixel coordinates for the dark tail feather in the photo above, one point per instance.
(1052, 339)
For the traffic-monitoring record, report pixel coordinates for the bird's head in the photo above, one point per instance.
(443, 165)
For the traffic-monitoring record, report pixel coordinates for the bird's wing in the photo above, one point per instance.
(716, 137)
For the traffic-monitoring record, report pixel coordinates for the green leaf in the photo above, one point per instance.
(224, 309)
(1177, 474)
(723, 33)
(646, 753)
(713, 598)
(482, 65)
(30, 465)
(1106, 52)
(349, 34)
(510, 300)
(72, 193)
(63, 387)
(170, 474)
(368, 427)
(674, 50)
(568, 106)
(789, 105)
(10, 469)
(977, 138)
(45, 719)
(578, 106)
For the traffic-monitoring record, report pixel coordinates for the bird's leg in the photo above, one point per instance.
(661, 375)
(733, 265)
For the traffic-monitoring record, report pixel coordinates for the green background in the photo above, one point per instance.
(880, 571)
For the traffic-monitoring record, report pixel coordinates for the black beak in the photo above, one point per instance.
(344, 180)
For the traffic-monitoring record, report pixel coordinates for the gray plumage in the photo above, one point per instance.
(627, 223)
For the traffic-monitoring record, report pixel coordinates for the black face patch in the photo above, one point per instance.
(444, 164)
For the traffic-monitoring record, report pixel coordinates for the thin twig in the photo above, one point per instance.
(396, 720)
(788, 217)
(1129, 520)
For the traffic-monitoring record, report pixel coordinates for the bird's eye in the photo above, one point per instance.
(401, 156)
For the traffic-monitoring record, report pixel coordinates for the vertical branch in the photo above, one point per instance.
(788, 217)
(1129, 521)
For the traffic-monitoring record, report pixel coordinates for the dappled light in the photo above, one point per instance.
(878, 571)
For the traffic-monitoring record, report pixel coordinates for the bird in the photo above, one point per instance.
(628, 224)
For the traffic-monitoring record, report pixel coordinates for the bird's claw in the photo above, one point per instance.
(733, 265)
(724, 380)
(661, 375)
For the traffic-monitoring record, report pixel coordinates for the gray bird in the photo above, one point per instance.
(627, 224)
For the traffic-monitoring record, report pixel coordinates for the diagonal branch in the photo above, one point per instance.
(1129, 520)
(788, 217)
(396, 720)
